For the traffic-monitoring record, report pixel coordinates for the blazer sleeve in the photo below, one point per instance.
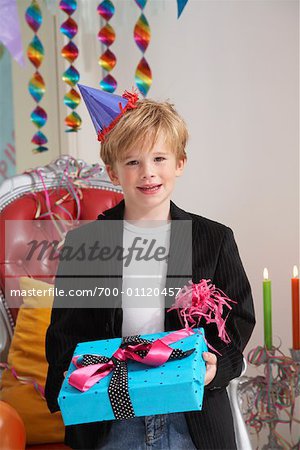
(68, 326)
(231, 278)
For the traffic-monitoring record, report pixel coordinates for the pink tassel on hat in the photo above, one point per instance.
(132, 98)
(203, 300)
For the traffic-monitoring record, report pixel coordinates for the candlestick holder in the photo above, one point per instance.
(269, 399)
(295, 354)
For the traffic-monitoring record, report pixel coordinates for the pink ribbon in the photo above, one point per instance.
(83, 378)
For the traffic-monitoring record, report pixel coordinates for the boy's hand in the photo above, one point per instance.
(65, 373)
(211, 366)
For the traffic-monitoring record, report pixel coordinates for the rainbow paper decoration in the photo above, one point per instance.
(107, 37)
(142, 34)
(36, 86)
(71, 76)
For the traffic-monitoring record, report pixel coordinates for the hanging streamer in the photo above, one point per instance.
(10, 33)
(36, 87)
(71, 76)
(107, 37)
(142, 34)
(181, 4)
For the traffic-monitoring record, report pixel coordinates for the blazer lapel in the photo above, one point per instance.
(180, 261)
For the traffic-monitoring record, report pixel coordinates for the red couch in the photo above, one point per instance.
(65, 191)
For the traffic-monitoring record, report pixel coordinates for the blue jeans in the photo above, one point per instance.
(162, 432)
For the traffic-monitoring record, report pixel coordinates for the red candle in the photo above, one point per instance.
(296, 309)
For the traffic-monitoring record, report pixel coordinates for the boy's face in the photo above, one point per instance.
(157, 168)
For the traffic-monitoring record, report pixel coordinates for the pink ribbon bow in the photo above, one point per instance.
(158, 352)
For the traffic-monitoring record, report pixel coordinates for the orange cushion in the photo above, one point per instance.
(27, 357)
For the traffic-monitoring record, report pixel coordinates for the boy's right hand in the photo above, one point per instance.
(211, 366)
(65, 374)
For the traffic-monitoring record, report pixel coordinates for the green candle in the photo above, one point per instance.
(267, 310)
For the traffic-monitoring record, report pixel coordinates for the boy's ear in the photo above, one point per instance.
(112, 175)
(180, 166)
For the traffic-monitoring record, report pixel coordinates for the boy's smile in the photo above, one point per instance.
(147, 180)
(150, 189)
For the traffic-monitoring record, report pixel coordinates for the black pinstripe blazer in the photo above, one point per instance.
(212, 254)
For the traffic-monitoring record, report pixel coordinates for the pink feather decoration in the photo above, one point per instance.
(203, 300)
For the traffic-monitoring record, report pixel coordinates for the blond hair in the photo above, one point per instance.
(139, 128)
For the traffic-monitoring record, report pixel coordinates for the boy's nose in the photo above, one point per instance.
(147, 171)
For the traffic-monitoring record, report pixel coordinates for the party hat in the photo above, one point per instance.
(106, 109)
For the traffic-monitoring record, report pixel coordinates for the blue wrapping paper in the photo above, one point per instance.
(175, 386)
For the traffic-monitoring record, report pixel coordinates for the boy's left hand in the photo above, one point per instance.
(211, 366)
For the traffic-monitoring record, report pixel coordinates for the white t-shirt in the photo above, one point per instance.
(143, 309)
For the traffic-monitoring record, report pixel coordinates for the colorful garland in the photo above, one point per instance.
(35, 54)
(107, 37)
(142, 34)
(71, 76)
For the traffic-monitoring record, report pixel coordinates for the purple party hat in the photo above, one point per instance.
(106, 109)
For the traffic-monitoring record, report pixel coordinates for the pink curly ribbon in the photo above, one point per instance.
(25, 380)
(203, 300)
(73, 179)
(269, 396)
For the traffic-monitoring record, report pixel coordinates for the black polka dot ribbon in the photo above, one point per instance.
(118, 391)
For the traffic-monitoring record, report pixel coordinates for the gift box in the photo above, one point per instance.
(116, 386)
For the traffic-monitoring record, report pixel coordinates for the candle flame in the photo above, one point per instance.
(295, 272)
(266, 274)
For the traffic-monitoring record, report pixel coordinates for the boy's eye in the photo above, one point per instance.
(134, 162)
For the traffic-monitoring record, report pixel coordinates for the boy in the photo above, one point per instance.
(143, 148)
